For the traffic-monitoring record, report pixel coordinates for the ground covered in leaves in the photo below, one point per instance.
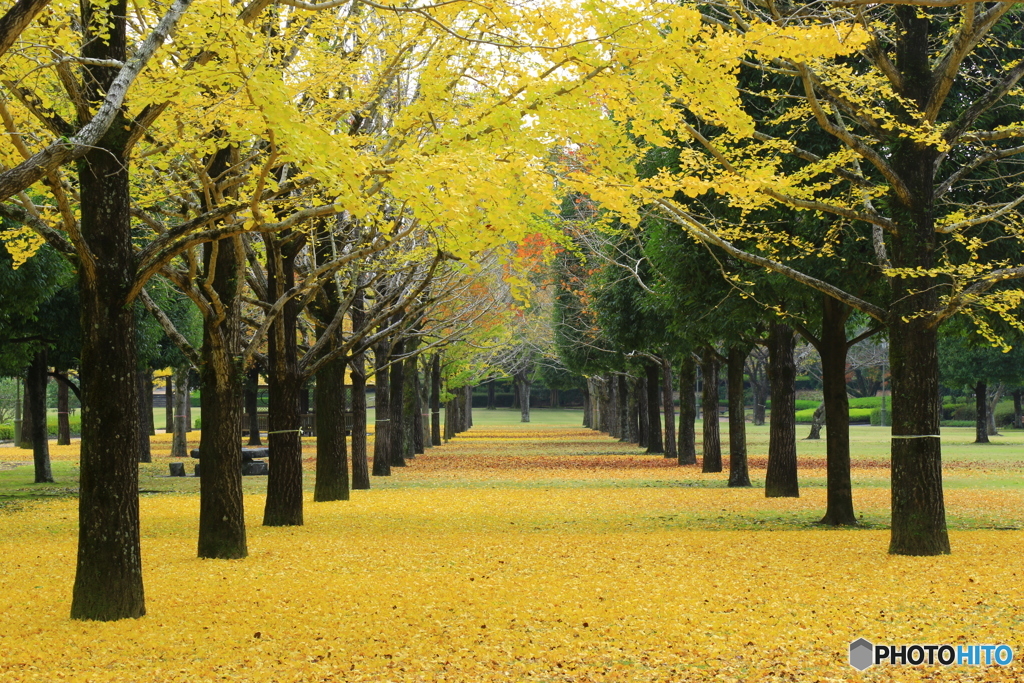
(527, 554)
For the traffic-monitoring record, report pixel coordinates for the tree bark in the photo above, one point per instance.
(655, 444)
(738, 472)
(169, 404)
(781, 477)
(284, 434)
(410, 399)
(382, 403)
(145, 380)
(360, 465)
(252, 405)
(523, 381)
(396, 407)
(1016, 409)
(435, 399)
(469, 407)
(587, 418)
(108, 578)
(35, 389)
(981, 415)
(687, 447)
(421, 436)
(670, 418)
(179, 442)
(331, 452)
(833, 348)
(712, 440)
(613, 406)
(63, 412)
(759, 385)
(817, 422)
(26, 420)
(623, 417)
(633, 410)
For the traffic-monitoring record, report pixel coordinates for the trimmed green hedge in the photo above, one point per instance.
(6, 432)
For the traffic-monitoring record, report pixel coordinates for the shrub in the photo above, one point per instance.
(866, 402)
(6, 432)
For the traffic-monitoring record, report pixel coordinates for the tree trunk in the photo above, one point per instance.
(63, 421)
(587, 419)
(817, 422)
(839, 504)
(108, 578)
(187, 385)
(712, 440)
(670, 417)
(179, 442)
(738, 473)
(360, 466)
(1016, 409)
(524, 396)
(613, 406)
(331, 451)
(781, 477)
(687, 447)
(435, 399)
(145, 380)
(410, 398)
(396, 407)
(469, 406)
(382, 403)
(653, 385)
(981, 414)
(759, 385)
(993, 429)
(169, 404)
(35, 389)
(284, 434)
(633, 410)
(252, 405)
(623, 417)
(643, 413)
(421, 436)
(26, 420)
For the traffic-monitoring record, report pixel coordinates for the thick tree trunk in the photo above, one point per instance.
(169, 404)
(781, 477)
(687, 447)
(587, 418)
(655, 444)
(410, 399)
(523, 381)
(469, 407)
(643, 414)
(382, 403)
(63, 421)
(396, 408)
(252, 405)
(670, 417)
(738, 473)
(613, 423)
(623, 412)
(633, 411)
(284, 434)
(839, 505)
(108, 579)
(712, 440)
(360, 466)
(331, 451)
(221, 509)
(26, 421)
(35, 389)
(997, 396)
(145, 380)
(435, 399)
(981, 416)
(179, 442)
(421, 433)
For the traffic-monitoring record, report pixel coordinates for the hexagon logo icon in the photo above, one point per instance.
(862, 654)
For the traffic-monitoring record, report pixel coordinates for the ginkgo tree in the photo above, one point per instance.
(910, 111)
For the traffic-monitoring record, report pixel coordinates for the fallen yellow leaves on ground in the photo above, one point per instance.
(435, 576)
